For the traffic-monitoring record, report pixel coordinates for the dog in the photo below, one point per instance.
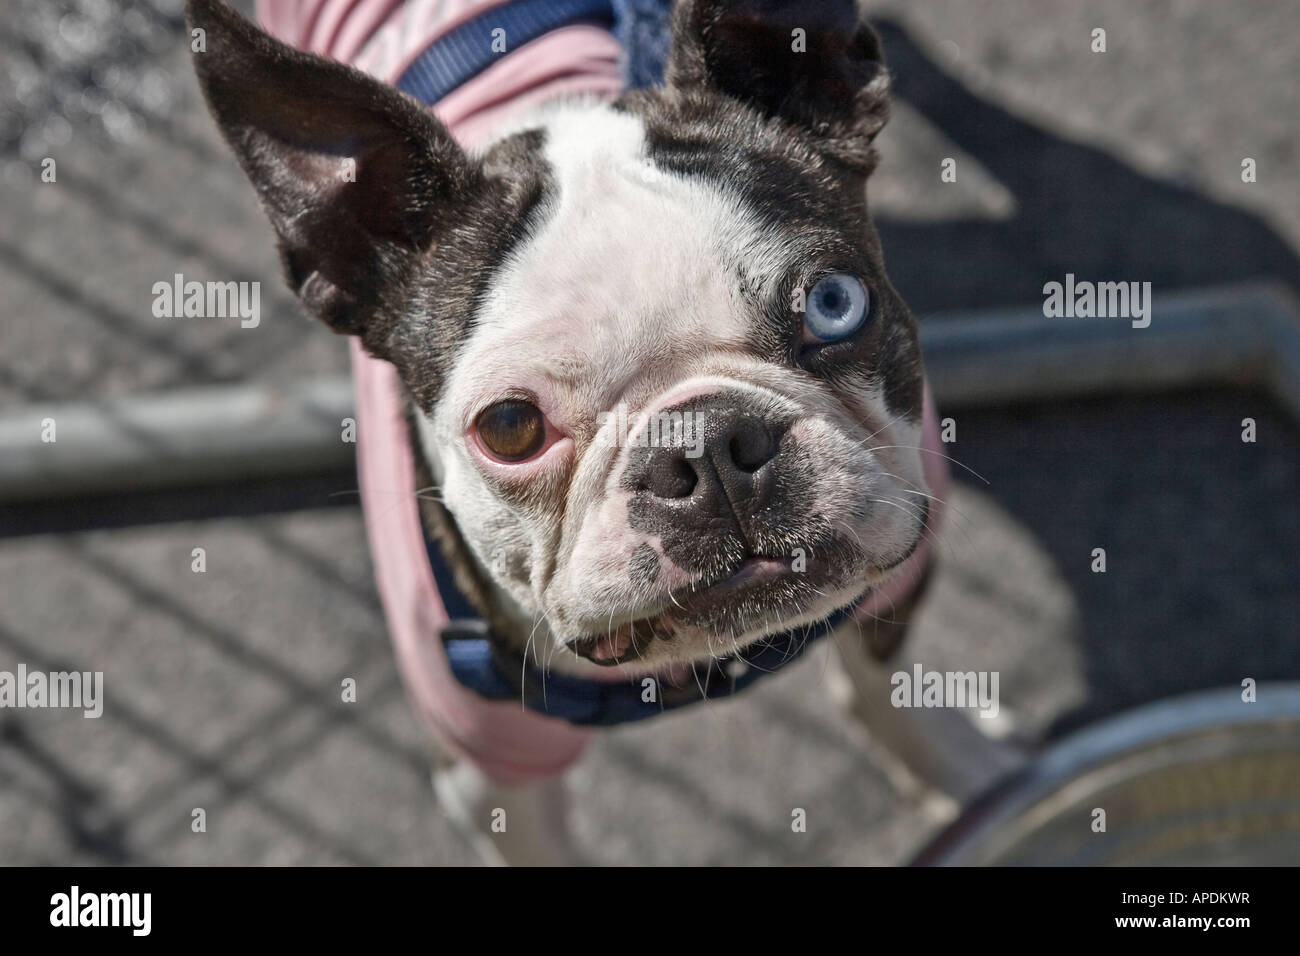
(639, 348)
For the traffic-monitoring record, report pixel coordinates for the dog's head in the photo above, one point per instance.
(664, 386)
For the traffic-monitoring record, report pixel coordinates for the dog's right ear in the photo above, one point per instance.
(356, 177)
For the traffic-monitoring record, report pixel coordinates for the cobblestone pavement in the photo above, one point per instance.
(222, 688)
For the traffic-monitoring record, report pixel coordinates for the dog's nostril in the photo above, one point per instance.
(724, 464)
(671, 477)
(751, 445)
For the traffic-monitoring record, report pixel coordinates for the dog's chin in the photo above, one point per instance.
(763, 596)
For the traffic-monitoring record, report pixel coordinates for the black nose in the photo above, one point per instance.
(716, 470)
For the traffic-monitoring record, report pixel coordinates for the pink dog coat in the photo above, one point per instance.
(511, 744)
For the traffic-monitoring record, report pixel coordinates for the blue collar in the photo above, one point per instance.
(477, 660)
(459, 55)
(463, 53)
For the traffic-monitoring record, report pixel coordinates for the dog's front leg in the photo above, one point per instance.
(507, 826)
(938, 749)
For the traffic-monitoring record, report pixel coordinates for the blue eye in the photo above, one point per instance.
(837, 307)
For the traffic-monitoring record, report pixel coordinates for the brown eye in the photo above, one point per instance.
(512, 430)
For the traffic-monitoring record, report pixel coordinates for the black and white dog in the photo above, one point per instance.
(699, 254)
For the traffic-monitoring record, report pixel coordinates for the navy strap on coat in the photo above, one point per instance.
(642, 30)
(461, 54)
(484, 665)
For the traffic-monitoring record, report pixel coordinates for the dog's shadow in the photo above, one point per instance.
(1078, 210)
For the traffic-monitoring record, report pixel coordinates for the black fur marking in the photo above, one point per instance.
(438, 307)
(643, 566)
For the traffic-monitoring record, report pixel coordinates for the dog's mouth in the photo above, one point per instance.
(756, 571)
(628, 642)
(760, 589)
(625, 643)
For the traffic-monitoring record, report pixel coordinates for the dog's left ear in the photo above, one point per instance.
(814, 63)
